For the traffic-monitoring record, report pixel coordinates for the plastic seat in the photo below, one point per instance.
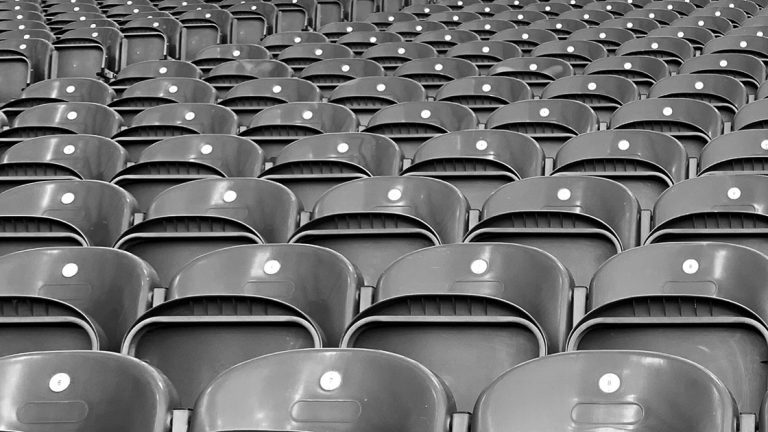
(163, 121)
(739, 152)
(384, 19)
(329, 74)
(724, 93)
(333, 31)
(486, 10)
(525, 38)
(295, 16)
(92, 22)
(275, 127)
(603, 93)
(310, 166)
(226, 76)
(577, 53)
(748, 7)
(421, 11)
(371, 381)
(458, 5)
(394, 54)
(580, 220)
(478, 162)
(562, 27)
(63, 213)
(640, 26)
(694, 123)
(214, 55)
(300, 56)
(432, 73)
(409, 124)
(409, 30)
(680, 8)
(201, 29)
(59, 21)
(672, 50)
(87, 52)
(756, 46)
(676, 269)
(249, 98)
(136, 72)
(177, 160)
(615, 8)
(591, 18)
(365, 96)
(646, 162)
(751, 30)
(59, 90)
(103, 391)
(444, 40)
(484, 54)
(520, 4)
(643, 71)
(161, 91)
(696, 36)
(484, 94)
(245, 281)
(275, 43)
(525, 301)
(74, 298)
(716, 24)
(60, 157)
(374, 221)
(749, 70)
(580, 385)
(664, 17)
(453, 19)
(536, 72)
(358, 42)
(61, 117)
(23, 62)
(751, 116)
(197, 217)
(487, 27)
(121, 11)
(609, 38)
(733, 15)
(521, 18)
(43, 34)
(150, 39)
(549, 122)
(551, 10)
(252, 21)
(733, 207)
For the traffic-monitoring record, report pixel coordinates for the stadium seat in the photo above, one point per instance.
(580, 220)
(549, 122)
(226, 76)
(487, 27)
(522, 18)
(537, 73)
(664, 17)
(275, 127)
(484, 94)
(150, 39)
(433, 72)
(81, 390)
(374, 221)
(478, 162)
(591, 18)
(214, 55)
(562, 27)
(409, 124)
(163, 121)
(141, 71)
(643, 71)
(365, 96)
(452, 19)
(733, 15)
(525, 38)
(252, 21)
(276, 42)
(716, 24)
(724, 93)
(201, 216)
(739, 152)
(749, 70)
(384, 19)
(607, 390)
(577, 53)
(409, 30)
(329, 74)
(603, 93)
(609, 38)
(360, 41)
(482, 309)
(87, 52)
(422, 11)
(63, 213)
(58, 90)
(180, 159)
(670, 282)
(640, 26)
(295, 15)
(23, 62)
(756, 46)
(302, 55)
(486, 10)
(256, 300)
(443, 40)
(64, 300)
(60, 157)
(615, 8)
(320, 387)
(646, 162)
(672, 50)
(161, 91)
(484, 54)
(696, 36)
(249, 98)
(335, 30)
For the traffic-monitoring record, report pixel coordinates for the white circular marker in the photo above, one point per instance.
(307, 115)
(570, 49)
(666, 111)
(533, 66)
(564, 194)
(173, 89)
(69, 149)
(394, 194)
(734, 193)
(764, 144)
(425, 114)
(70, 89)
(318, 52)
(544, 112)
(236, 53)
(478, 266)
(609, 383)
(69, 270)
(743, 44)
(623, 145)
(71, 115)
(59, 382)
(345, 68)
(485, 50)
(381, 87)
(342, 148)
(277, 89)
(206, 149)
(163, 70)
(654, 45)
(627, 65)
(401, 51)
(438, 67)
(698, 85)
(68, 198)
(229, 196)
(592, 86)
(690, 266)
(723, 63)
(330, 381)
(189, 116)
(481, 145)
(486, 88)
(271, 267)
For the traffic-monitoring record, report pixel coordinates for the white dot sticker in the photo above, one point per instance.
(743, 44)
(520, 16)
(547, 8)
(723, 63)
(394, 194)
(448, 37)
(630, 25)
(525, 36)
(570, 49)
(654, 45)
(759, 33)
(602, 35)
(345, 68)
(764, 144)
(690, 266)
(272, 267)
(592, 86)
(564, 194)
(349, 29)
(155, 24)
(69, 270)
(230, 196)
(734, 193)
(401, 51)
(68, 198)
(276, 89)
(698, 85)
(623, 145)
(438, 67)
(69, 149)
(342, 148)
(680, 34)
(206, 149)
(70, 89)
(627, 65)
(318, 52)
(533, 66)
(59, 382)
(669, 7)
(651, 15)
(544, 112)
(666, 111)
(487, 27)
(718, 13)
(71, 115)
(381, 87)
(481, 145)
(485, 49)
(163, 70)
(419, 28)
(307, 115)
(173, 89)
(189, 116)
(486, 88)
(390, 18)
(236, 53)
(586, 16)
(455, 17)
(478, 266)
(297, 39)
(23, 46)
(609, 383)
(330, 381)
(558, 26)
(425, 114)
(700, 23)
